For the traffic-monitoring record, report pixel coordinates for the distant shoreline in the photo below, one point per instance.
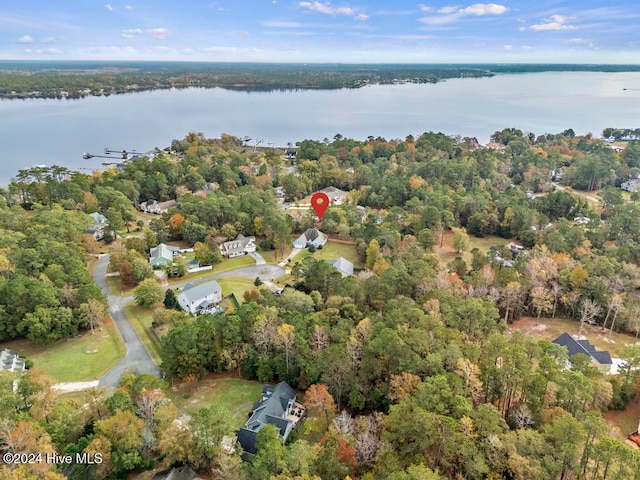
(81, 79)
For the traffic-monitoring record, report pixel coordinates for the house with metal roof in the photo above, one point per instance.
(574, 347)
(238, 247)
(336, 196)
(277, 407)
(344, 266)
(10, 361)
(199, 299)
(162, 255)
(311, 236)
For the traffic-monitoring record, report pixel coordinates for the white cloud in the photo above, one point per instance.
(25, 39)
(440, 20)
(128, 7)
(508, 47)
(159, 32)
(448, 10)
(328, 9)
(45, 51)
(281, 24)
(450, 14)
(483, 9)
(424, 8)
(109, 7)
(553, 23)
(131, 32)
(526, 47)
(50, 40)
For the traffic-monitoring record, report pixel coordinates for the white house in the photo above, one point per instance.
(9, 360)
(238, 247)
(97, 227)
(199, 299)
(311, 236)
(153, 206)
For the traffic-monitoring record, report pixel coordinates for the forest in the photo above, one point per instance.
(410, 368)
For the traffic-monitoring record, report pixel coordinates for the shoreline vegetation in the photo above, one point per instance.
(80, 79)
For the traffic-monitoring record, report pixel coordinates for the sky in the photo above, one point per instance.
(354, 31)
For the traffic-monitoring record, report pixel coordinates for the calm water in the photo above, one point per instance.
(58, 131)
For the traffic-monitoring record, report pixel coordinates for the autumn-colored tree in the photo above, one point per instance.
(286, 338)
(460, 239)
(590, 310)
(372, 254)
(578, 276)
(403, 385)
(542, 300)
(320, 402)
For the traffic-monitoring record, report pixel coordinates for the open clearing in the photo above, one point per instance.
(331, 251)
(447, 253)
(235, 394)
(83, 358)
(552, 328)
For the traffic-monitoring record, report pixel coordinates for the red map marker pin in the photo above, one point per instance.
(320, 203)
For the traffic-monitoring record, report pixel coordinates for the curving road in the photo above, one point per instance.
(137, 357)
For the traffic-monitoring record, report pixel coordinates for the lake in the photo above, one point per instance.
(38, 131)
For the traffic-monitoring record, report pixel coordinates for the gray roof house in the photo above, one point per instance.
(238, 247)
(602, 359)
(336, 196)
(153, 206)
(344, 266)
(9, 360)
(162, 255)
(199, 299)
(277, 407)
(311, 236)
(185, 472)
(97, 226)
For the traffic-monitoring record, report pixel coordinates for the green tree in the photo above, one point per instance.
(460, 239)
(148, 293)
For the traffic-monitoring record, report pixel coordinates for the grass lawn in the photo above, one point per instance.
(552, 328)
(141, 319)
(83, 358)
(271, 256)
(447, 253)
(223, 266)
(116, 287)
(331, 251)
(235, 394)
(236, 285)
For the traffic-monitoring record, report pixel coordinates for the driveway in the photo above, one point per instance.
(137, 357)
(265, 272)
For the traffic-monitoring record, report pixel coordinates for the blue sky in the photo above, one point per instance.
(357, 31)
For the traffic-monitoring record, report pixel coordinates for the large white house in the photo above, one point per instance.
(238, 247)
(153, 206)
(311, 236)
(199, 299)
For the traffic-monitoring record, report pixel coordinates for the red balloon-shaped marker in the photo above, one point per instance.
(320, 203)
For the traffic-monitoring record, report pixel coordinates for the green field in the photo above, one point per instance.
(82, 358)
(235, 394)
(271, 256)
(223, 266)
(141, 319)
(331, 251)
(236, 285)
(447, 253)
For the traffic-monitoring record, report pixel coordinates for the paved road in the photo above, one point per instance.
(137, 357)
(591, 198)
(264, 271)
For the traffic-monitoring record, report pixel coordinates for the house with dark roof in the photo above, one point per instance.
(574, 347)
(153, 206)
(162, 255)
(277, 407)
(311, 236)
(185, 472)
(199, 299)
(238, 247)
(10, 361)
(344, 266)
